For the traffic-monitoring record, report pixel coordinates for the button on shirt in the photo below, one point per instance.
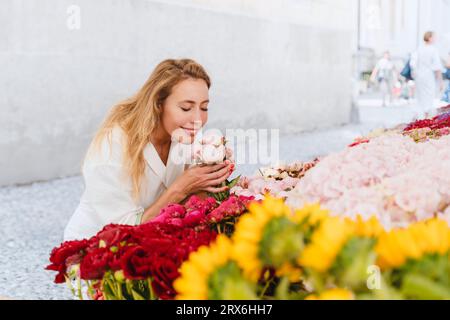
(108, 197)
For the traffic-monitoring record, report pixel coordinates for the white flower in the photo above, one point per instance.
(212, 139)
(270, 173)
(210, 149)
(212, 154)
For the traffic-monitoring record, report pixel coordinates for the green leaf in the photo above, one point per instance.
(416, 286)
(136, 295)
(282, 290)
(233, 182)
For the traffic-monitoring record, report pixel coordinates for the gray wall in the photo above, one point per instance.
(268, 69)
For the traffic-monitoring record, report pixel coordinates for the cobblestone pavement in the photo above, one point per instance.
(33, 216)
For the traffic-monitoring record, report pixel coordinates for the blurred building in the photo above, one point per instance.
(399, 25)
(274, 64)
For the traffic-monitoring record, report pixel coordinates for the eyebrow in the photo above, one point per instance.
(193, 102)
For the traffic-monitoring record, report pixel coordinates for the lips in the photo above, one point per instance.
(190, 130)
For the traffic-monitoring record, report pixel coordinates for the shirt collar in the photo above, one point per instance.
(166, 173)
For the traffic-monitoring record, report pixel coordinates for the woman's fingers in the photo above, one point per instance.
(215, 167)
(219, 174)
(224, 174)
(218, 181)
(216, 189)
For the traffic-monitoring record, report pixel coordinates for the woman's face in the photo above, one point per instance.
(185, 110)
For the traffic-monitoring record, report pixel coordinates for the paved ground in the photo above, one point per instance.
(33, 216)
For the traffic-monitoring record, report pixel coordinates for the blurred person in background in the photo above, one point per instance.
(384, 74)
(406, 80)
(427, 73)
(446, 95)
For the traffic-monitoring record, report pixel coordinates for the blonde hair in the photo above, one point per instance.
(428, 35)
(139, 115)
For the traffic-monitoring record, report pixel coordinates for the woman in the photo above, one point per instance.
(427, 68)
(384, 74)
(130, 171)
(446, 95)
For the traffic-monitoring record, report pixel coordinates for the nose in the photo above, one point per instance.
(196, 116)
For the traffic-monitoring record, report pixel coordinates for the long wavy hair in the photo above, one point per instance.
(139, 115)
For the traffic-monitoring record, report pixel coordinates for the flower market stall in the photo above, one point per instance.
(368, 222)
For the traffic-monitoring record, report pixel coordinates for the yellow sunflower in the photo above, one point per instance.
(333, 294)
(332, 234)
(370, 228)
(311, 213)
(293, 273)
(326, 242)
(249, 231)
(426, 237)
(194, 273)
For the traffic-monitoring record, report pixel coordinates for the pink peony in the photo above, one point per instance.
(391, 176)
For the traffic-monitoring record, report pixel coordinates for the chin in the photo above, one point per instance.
(182, 137)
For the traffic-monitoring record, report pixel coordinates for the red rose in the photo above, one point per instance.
(157, 244)
(164, 272)
(115, 234)
(69, 251)
(136, 263)
(115, 263)
(167, 260)
(95, 264)
(148, 230)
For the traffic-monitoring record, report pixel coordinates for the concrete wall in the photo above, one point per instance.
(274, 64)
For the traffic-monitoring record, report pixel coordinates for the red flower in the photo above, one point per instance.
(136, 263)
(165, 271)
(68, 253)
(168, 257)
(193, 218)
(203, 205)
(232, 207)
(155, 249)
(95, 264)
(358, 142)
(116, 234)
(438, 122)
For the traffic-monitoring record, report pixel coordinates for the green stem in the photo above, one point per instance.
(150, 288)
(419, 287)
(119, 291)
(263, 292)
(107, 291)
(80, 295)
(90, 290)
(111, 287)
(69, 284)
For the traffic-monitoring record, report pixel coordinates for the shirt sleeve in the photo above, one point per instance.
(110, 195)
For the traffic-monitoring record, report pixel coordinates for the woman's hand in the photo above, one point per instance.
(203, 178)
(193, 180)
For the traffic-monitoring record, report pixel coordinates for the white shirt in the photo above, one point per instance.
(108, 190)
(426, 61)
(385, 68)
